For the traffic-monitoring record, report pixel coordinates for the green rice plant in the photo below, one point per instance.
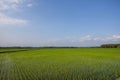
(61, 64)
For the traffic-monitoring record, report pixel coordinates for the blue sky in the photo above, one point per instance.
(59, 22)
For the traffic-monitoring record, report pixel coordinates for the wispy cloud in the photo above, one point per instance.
(7, 6)
(108, 38)
(29, 5)
(80, 42)
(6, 20)
(10, 4)
(13, 4)
(88, 38)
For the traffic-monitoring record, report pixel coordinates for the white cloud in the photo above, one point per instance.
(108, 38)
(111, 38)
(88, 40)
(116, 36)
(15, 1)
(13, 4)
(10, 4)
(29, 5)
(3, 6)
(6, 20)
(83, 41)
(85, 38)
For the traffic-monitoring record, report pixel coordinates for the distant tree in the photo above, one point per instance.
(110, 45)
(118, 46)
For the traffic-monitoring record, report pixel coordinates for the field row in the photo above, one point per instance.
(55, 65)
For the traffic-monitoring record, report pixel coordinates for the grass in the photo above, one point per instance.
(61, 64)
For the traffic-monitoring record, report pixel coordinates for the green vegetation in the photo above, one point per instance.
(61, 64)
(110, 46)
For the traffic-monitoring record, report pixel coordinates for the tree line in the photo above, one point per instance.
(110, 45)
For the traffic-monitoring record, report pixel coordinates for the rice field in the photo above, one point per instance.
(60, 64)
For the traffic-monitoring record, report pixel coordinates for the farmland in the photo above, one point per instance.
(60, 64)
